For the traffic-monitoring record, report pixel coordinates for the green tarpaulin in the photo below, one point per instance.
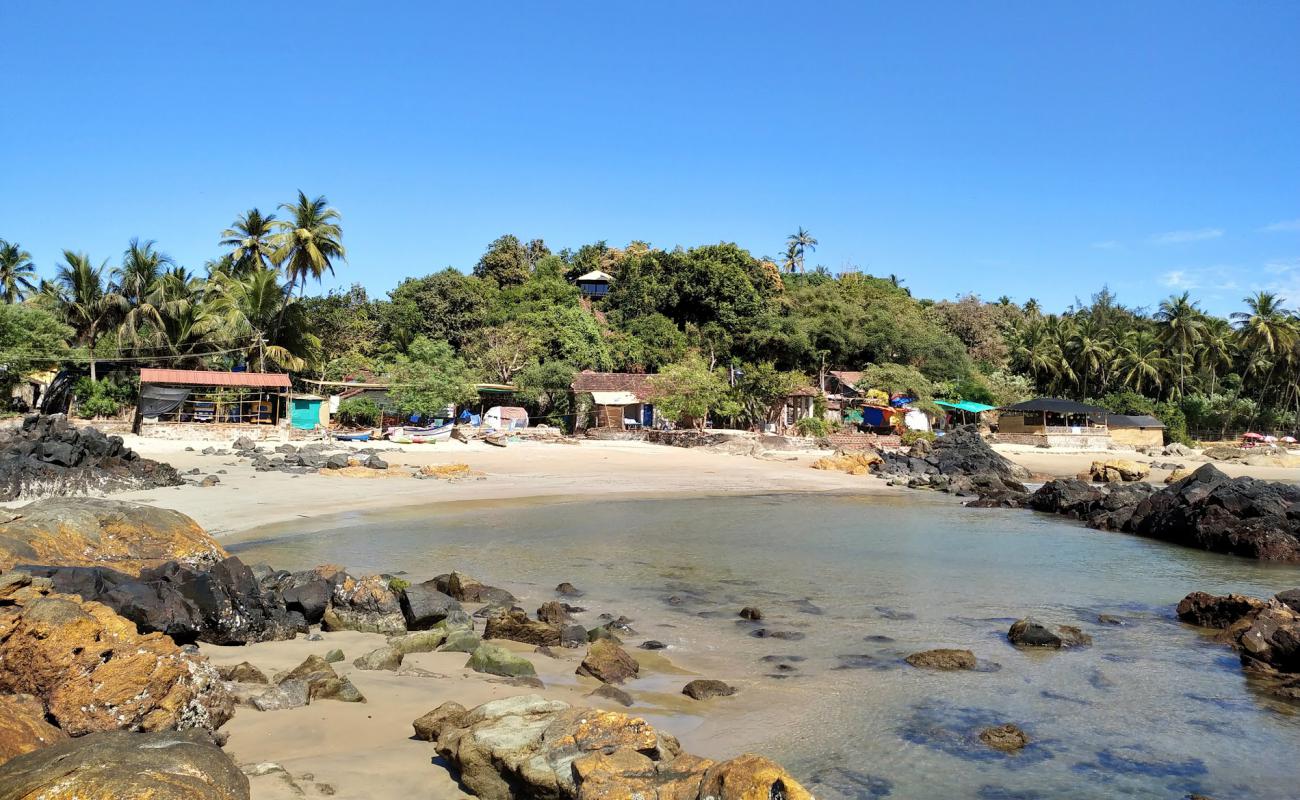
(965, 405)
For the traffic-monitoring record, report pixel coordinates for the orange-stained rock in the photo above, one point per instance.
(117, 765)
(750, 777)
(608, 663)
(94, 672)
(23, 727)
(527, 746)
(89, 532)
(364, 604)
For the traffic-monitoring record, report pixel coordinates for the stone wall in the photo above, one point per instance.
(1062, 441)
(210, 432)
(861, 441)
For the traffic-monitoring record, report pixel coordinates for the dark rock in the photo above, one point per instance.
(468, 590)
(652, 644)
(614, 693)
(567, 589)
(516, 626)
(375, 462)
(705, 688)
(1289, 598)
(337, 461)
(573, 636)
(1008, 738)
(309, 599)
(553, 612)
(1211, 611)
(751, 613)
(47, 455)
(944, 659)
(424, 605)
(1028, 632)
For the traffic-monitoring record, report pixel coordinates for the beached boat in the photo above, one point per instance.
(496, 439)
(421, 435)
(352, 437)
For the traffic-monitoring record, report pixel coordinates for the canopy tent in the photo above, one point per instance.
(1055, 405)
(965, 405)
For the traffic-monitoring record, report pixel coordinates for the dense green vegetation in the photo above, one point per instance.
(730, 333)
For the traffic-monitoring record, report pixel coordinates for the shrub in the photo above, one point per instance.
(910, 437)
(813, 426)
(358, 412)
(103, 398)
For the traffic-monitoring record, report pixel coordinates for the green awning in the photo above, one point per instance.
(965, 405)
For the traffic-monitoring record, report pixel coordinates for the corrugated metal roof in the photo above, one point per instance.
(1133, 421)
(198, 377)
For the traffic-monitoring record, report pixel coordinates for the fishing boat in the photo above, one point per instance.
(496, 439)
(352, 437)
(421, 435)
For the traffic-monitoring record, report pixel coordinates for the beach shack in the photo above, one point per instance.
(307, 411)
(1054, 422)
(799, 404)
(612, 400)
(965, 412)
(594, 284)
(843, 400)
(186, 397)
(1136, 430)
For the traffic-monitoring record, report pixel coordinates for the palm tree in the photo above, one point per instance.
(309, 242)
(136, 283)
(259, 314)
(791, 261)
(253, 239)
(1092, 350)
(1139, 360)
(84, 301)
(1217, 349)
(1266, 331)
(16, 272)
(798, 243)
(1183, 325)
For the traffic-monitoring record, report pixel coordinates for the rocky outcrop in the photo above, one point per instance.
(221, 604)
(1029, 632)
(1265, 634)
(705, 688)
(91, 532)
(23, 727)
(365, 604)
(424, 605)
(48, 456)
(959, 462)
(529, 747)
(462, 587)
(94, 672)
(170, 765)
(1206, 510)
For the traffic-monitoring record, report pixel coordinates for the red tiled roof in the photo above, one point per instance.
(198, 377)
(588, 381)
(846, 377)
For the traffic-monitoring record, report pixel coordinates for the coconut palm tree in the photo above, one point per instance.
(135, 281)
(86, 302)
(1092, 351)
(798, 243)
(1183, 326)
(308, 242)
(252, 238)
(1139, 360)
(16, 272)
(1266, 332)
(259, 316)
(1217, 350)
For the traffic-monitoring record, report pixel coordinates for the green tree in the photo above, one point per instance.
(16, 272)
(446, 305)
(1183, 326)
(429, 378)
(1140, 361)
(797, 246)
(309, 242)
(31, 339)
(503, 350)
(260, 319)
(545, 389)
(506, 261)
(762, 389)
(85, 300)
(253, 242)
(688, 392)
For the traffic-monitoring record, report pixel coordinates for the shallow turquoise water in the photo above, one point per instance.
(1152, 710)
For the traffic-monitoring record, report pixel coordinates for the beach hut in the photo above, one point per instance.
(188, 396)
(595, 283)
(967, 412)
(1137, 430)
(1054, 422)
(617, 400)
(306, 411)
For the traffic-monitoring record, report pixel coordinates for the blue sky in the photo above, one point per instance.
(1029, 149)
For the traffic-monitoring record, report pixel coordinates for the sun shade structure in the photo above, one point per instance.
(198, 377)
(191, 396)
(1055, 405)
(965, 405)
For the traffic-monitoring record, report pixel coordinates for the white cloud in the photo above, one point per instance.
(1182, 237)
(1109, 244)
(1281, 227)
(1207, 279)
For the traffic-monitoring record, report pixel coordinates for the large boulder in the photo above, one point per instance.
(222, 603)
(1215, 611)
(462, 587)
(515, 625)
(49, 456)
(608, 663)
(94, 672)
(90, 532)
(424, 605)
(1029, 632)
(23, 727)
(527, 746)
(960, 462)
(172, 765)
(494, 659)
(364, 604)
(1118, 469)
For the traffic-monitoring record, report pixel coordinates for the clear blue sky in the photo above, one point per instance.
(1028, 149)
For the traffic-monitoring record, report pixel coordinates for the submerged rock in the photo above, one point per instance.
(705, 688)
(1029, 632)
(1211, 611)
(944, 659)
(1008, 738)
(610, 692)
(184, 765)
(527, 746)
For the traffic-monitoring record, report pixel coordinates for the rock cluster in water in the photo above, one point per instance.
(1265, 633)
(47, 455)
(527, 746)
(961, 463)
(1206, 510)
